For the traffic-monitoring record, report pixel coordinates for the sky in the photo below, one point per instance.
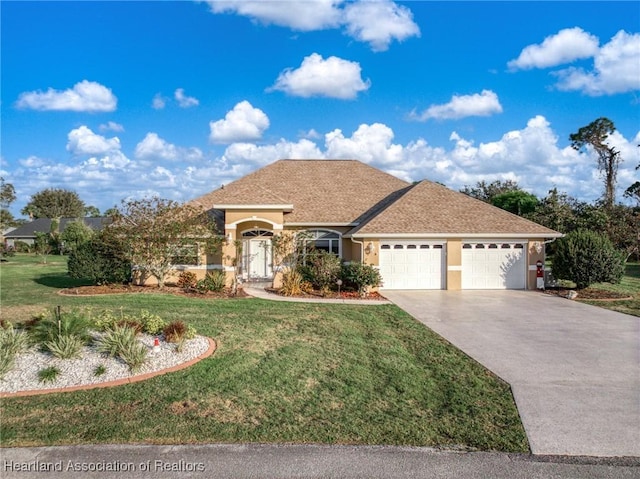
(124, 100)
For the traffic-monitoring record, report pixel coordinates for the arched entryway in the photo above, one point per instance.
(256, 254)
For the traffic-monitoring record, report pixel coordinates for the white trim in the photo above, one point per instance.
(283, 207)
(405, 241)
(338, 239)
(234, 225)
(513, 236)
(454, 268)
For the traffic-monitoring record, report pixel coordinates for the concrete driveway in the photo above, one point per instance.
(574, 369)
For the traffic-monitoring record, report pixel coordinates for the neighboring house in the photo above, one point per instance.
(420, 236)
(27, 232)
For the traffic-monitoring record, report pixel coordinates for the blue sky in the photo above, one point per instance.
(128, 99)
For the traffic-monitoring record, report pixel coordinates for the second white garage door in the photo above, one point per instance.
(493, 266)
(411, 265)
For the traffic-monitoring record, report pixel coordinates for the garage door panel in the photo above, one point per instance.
(493, 266)
(411, 265)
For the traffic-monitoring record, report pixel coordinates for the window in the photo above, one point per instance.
(186, 255)
(322, 240)
(255, 233)
(398, 246)
(424, 246)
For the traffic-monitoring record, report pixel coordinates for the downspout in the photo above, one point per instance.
(361, 243)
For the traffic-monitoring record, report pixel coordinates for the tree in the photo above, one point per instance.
(487, 191)
(75, 234)
(7, 193)
(594, 136)
(54, 203)
(155, 231)
(586, 257)
(518, 202)
(91, 211)
(42, 245)
(7, 196)
(555, 211)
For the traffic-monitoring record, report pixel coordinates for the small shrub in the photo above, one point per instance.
(116, 340)
(151, 323)
(134, 355)
(213, 281)
(73, 323)
(48, 375)
(11, 340)
(121, 342)
(65, 346)
(586, 257)
(360, 276)
(174, 331)
(130, 323)
(99, 370)
(7, 360)
(7, 251)
(291, 283)
(106, 320)
(190, 333)
(187, 280)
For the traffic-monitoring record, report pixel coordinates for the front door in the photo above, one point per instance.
(259, 258)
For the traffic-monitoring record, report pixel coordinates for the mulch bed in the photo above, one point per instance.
(591, 294)
(374, 296)
(136, 289)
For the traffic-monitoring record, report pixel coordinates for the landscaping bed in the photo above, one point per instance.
(592, 294)
(136, 289)
(373, 296)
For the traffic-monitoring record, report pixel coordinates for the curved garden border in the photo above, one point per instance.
(118, 382)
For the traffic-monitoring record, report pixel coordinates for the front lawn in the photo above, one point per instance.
(630, 285)
(283, 372)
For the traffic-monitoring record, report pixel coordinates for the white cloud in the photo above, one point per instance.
(243, 123)
(462, 106)
(333, 78)
(152, 147)
(369, 143)
(303, 16)
(241, 153)
(379, 23)
(83, 141)
(185, 101)
(565, 46)
(84, 96)
(616, 69)
(158, 102)
(375, 22)
(111, 126)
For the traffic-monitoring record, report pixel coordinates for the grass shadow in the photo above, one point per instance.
(60, 281)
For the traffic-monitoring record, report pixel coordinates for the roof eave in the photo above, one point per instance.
(455, 235)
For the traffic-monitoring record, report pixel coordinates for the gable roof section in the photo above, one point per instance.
(428, 208)
(321, 191)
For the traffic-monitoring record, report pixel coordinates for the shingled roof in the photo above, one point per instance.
(348, 192)
(43, 225)
(429, 208)
(321, 191)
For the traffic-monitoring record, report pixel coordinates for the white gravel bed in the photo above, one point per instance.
(76, 372)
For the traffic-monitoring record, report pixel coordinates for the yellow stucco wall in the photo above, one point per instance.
(454, 264)
(534, 256)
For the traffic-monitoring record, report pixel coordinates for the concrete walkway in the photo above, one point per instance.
(574, 369)
(257, 290)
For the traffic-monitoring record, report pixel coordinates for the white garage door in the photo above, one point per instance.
(493, 265)
(411, 265)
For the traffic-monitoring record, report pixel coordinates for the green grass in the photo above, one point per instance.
(283, 373)
(630, 285)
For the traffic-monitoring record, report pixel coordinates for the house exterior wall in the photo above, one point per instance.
(534, 257)
(453, 271)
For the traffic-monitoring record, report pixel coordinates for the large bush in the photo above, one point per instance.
(586, 257)
(100, 261)
(323, 269)
(361, 276)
